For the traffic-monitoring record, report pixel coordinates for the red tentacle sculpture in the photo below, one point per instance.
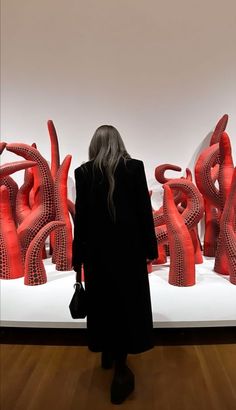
(5, 179)
(211, 221)
(161, 169)
(215, 172)
(35, 194)
(55, 164)
(23, 208)
(35, 187)
(158, 217)
(71, 209)
(161, 255)
(219, 128)
(226, 168)
(44, 213)
(230, 231)
(212, 229)
(226, 238)
(206, 160)
(35, 273)
(206, 172)
(231, 253)
(55, 155)
(193, 212)
(11, 264)
(196, 245)
(7, 169)
(2, 146)
(189, 175)
(194, 209)
(182, 266)
(63, 238)
(13, 190)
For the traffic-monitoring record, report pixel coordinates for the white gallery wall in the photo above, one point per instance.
(162, 71)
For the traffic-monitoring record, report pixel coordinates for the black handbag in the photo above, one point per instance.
(78, 303)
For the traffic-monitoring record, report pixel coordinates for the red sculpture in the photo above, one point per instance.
(2, 146)
(45, 211)
(7, 169)
(11, 264)
(43, 198)
(13, 190)
(205, 176)
(6, 180)
(228, 229)
(219, 128)
(207, 159)
(55, 164)
(35, 273)
(161, 169)
(206, 173)
(55, 155)
(182, 266)
(62, 254)
(231, 253)
(226, 168)
(71, 209)
(23, 208)
(226, 240)
(193, 211)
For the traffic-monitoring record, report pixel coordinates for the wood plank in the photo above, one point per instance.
(180, 377)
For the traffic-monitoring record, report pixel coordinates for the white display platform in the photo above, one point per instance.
(211, 302)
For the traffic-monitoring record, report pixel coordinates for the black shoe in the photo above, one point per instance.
(122, 385)
(107, 360)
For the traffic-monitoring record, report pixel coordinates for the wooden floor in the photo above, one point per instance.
(175, 376)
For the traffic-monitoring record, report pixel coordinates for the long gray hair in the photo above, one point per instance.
(106, 149)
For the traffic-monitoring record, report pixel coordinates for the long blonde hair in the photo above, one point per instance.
(106, 149)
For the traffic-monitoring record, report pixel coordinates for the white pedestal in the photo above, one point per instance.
(211, 302)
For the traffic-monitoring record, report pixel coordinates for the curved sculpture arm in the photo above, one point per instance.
(2, 146)
(193, 212)
(11, 167)
(23, 207)
(206, 160)
(13, 191)
(215, 172)
(11, 264)
(222, 262)
(161, 169)
(55, 155)
(34, 269)
(219, 128)
(30, 153)
(226, 168)
(44, 213)
(158, 217)
(182, 266)
(62, 254)
(231, 252)
(71, 209)
(189, 175)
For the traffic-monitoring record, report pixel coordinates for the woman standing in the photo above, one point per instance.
(114, 238)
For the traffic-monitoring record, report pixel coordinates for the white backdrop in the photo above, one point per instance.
(161, 71)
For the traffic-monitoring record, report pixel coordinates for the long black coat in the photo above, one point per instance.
(114, 256)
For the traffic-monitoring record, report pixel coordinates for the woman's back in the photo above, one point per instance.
(126, 233)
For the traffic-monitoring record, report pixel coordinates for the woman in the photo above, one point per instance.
(114, 238)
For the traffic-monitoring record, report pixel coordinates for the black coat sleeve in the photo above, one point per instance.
(81, 219)
(145, 214)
